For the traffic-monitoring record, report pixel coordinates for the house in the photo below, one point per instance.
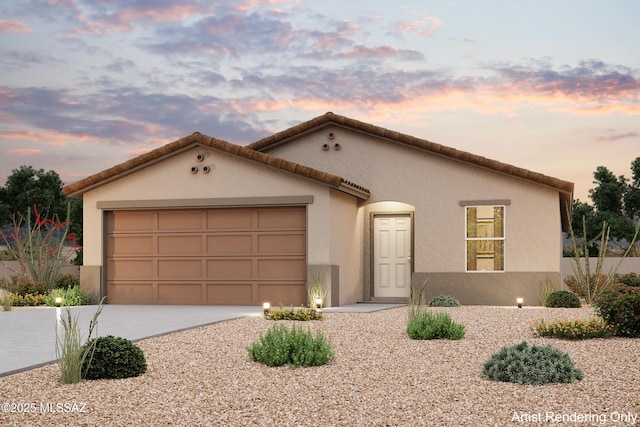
(366, 211)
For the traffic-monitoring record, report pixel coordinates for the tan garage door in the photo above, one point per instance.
(240, 256)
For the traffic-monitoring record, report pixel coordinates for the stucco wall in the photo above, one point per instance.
(231, 178)
(435, 186)
(346, 246)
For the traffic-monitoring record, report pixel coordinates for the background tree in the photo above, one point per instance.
(27, 186)
(616, 201)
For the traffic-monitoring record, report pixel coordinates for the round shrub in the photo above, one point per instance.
(536, 365)
(563, 299)
(619, 306)
(112, 357)
(443, 301)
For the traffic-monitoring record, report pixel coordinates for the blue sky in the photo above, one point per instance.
(551, 86)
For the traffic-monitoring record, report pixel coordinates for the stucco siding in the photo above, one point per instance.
(435, 186)
(346, 246)
(231, 177)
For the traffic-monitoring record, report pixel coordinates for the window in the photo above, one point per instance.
(485, 238)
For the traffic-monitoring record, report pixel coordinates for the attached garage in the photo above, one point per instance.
(217, 256)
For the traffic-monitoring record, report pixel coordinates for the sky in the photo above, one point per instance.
(551, 86)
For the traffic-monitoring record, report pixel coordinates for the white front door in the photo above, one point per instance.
(392, 255)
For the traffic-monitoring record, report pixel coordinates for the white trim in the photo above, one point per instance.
(503, 239)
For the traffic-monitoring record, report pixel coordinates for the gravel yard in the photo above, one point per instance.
(379, 378)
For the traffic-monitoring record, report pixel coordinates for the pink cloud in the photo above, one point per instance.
(25, 151)
(122, 20)
(14, 27)
(424, 27)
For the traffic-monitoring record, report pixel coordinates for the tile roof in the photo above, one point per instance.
(76, 189)
(564, 188)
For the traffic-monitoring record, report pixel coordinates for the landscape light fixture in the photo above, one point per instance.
(519, 301)
(266, 308)
(58, 301)
(318, 305)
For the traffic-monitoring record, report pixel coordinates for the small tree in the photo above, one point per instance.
(590, 284)
(39, 247)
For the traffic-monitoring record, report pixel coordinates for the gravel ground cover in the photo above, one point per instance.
(379, 378)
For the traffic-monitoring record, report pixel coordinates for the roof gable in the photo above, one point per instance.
(564, 188)
(76, 189)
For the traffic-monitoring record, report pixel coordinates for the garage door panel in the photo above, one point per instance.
(130, 245)
(282, 268)
(180, 220)
(179, 293)
(230, 269)
(179, 268)
(293, 244)
(230, 293)
(128, 293)
(179, 245)
(229, 219)
(206, 256)
(292, 218)
(229, 244)
(131, 221)
(285, 294)
(130, 269)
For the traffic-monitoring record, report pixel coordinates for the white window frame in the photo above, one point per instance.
(468, 239)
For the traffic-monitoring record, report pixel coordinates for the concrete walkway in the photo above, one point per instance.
(29, 335)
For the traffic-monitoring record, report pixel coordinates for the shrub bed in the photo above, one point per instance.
(112, 358)
(294, 347)
(70, 297)
(536, 365)
(291, 313)
(594, 327)
(563, 299)
(443, 301)
(427, 325)
(619, 306)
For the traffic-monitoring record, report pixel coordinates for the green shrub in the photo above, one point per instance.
(70, 297)
(112, 358)
(21, 285)
(443, 301)
(619, 306)
(6, 301)
(563, 299)
(536, 365)
(594, 327)
(294, 347)
(67, 281)
(291, 313)
(629, 279)
(431, 326)
(6, 255)
(27, 300)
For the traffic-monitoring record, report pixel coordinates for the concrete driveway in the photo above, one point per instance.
(29, 335)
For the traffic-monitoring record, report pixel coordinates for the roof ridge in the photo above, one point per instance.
(146, 159)
(415, 142)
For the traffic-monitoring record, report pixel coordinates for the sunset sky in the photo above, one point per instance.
(551, 86)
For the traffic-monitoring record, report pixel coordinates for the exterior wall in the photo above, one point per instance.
(346, 251)
(231, 177)
(434, 186)
(486, 289)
